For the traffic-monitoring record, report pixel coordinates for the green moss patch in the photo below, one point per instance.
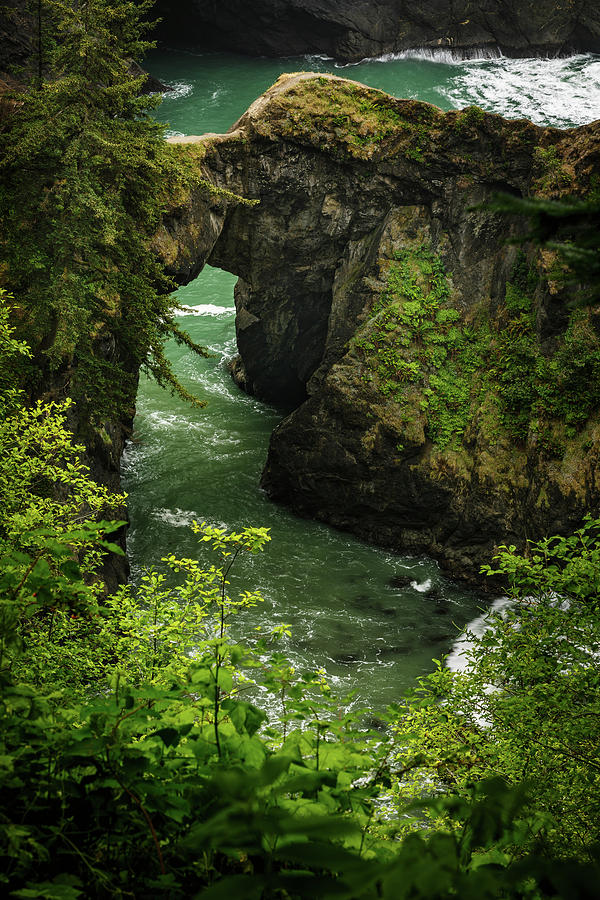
(420, 352)
(356, 120)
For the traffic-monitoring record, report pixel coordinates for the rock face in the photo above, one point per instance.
(446, 396)
(103, 442)
(350, 30)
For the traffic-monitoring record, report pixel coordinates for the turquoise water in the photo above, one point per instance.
(372, 619)
(212, 90)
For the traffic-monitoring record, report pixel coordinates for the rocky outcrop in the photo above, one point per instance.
(350, 30)
(446, 396)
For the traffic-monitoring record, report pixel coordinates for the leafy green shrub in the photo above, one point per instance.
(167, 789)
(527, 706)
(134, 762)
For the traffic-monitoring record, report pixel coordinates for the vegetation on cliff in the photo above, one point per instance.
(85, 175)
(493, 363)
(450, 369)
(136, 759)
(453, 402)
(351, 120)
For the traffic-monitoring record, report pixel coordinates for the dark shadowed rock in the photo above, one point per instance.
(346, 659)
(400, 581)
(151, 84)
(350, 30)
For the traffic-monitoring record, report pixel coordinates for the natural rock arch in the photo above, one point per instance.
(347, 179)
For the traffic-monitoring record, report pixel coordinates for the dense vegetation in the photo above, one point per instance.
(143, 753)
(423, 353)
(136, 759)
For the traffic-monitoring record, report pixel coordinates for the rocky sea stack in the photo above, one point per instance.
(445, 387)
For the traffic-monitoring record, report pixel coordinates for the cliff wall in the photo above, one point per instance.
(445, 393)
(350, 30)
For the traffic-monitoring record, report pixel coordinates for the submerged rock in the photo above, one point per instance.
(351, 30)
(347, 659)
(446, 392)
(400, 581)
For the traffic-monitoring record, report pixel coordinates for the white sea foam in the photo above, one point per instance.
(132, 457)
(157, 422)
(163, 420)
(178, 518)
(457, 659)
(178, 90)
(423, 587)
(559, 92)
(449, 56)
(317, 57)
(206, 309)
(230, 347)
(432, 54)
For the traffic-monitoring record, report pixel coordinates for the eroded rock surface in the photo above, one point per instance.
(446, 395)
(353, 29)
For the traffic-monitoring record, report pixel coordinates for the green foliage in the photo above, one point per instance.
(85, 174)
(167, 788)
(535, 387)
(156, 781)
(45, 488)
(50, 536)
(136, 761)
(415, 341)
(166, 770)
(42, 478)
(13, 354)
(553, 176)
(571, 228)
(421, 352)
(472, 117)
(353, 120)
(527, 707)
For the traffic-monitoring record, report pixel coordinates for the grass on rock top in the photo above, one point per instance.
(334, 113)
(348, 119)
